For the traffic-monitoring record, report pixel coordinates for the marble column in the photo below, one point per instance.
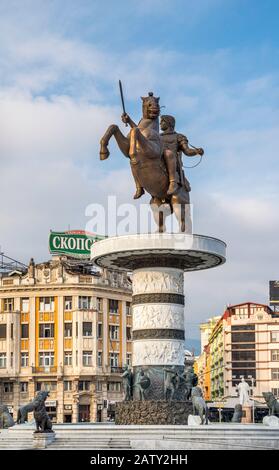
(158, 325)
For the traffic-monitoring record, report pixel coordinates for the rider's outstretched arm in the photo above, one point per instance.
(127, 120)
(184, 147)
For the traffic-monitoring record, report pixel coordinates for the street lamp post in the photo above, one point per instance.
(253, 399)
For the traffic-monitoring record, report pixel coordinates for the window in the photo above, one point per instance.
(114, 387)
(3, 331)
(114, 358)
(3, 361)
(114, 332)
(275, 392)
(47, 386)
(87, 328)
(244, 337)
(46, 330)
(24, 330)
(274, 374)
(114, 279)
(84, 302)
(23, 387)
(128, 332)
(25, 304)
(87, 358)
(68, 330)
(274, 336)
(12, 330)
(76, 329)
(99, 304)
(12, 359)
(24, 359)
(129, 359)
(67, 385)
(243, 327)
(46, 359)
(83, 385)
(128, 308)
(99, 330)
(242, 346)
(244, 355)
(98, 386)
(8, 387)
(68, 358)
(100, 359)
(275, 355)
(68, 303)
(46, 304)
(8, 305)
(113, 306)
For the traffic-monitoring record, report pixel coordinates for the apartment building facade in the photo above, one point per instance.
(243, 343)
(65, 329)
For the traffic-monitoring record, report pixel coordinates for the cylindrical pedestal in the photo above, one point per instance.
(158, 328)
(157, 263)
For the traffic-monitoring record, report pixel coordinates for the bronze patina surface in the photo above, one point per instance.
(156, 161)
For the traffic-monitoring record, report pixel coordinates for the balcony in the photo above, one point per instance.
(116, 370)
(46, 370)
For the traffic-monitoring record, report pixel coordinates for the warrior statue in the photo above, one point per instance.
(143, 383)
(173, 146)
(191, 380)
(155, 161)
(171, 382)
(127, 377)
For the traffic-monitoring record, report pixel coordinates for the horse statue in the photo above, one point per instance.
(42, 419)
(199, 405)
(22, 414)
(6, 421)
(143, 146)
(272, 403)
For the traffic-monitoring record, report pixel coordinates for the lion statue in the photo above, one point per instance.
(237, 415)
(272, 403)
(199, 405)
(22, 414)
(6, 421)
(43, 422)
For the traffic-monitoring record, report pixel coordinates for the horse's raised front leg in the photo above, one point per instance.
(123, 142)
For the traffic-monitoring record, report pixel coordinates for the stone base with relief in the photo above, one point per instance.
(157, 263)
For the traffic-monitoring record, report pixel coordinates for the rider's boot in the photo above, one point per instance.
(139, 192)
(173, 187)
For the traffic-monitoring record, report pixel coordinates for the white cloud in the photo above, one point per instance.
(58, 95)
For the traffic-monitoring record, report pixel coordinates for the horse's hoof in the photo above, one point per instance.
(139, 193)
(104, 154)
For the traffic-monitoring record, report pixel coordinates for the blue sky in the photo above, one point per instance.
(214, 63)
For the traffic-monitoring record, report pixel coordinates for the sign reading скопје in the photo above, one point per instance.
(75, 243)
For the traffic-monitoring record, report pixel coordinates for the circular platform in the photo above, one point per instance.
(180, 251)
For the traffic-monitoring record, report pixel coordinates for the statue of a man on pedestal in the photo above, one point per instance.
(243, 390)
(127, 378)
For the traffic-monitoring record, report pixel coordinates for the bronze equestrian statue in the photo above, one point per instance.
(156, 161)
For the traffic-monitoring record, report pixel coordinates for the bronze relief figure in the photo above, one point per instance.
(156, 161)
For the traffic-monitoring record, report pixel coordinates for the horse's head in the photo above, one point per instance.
(150, 106)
